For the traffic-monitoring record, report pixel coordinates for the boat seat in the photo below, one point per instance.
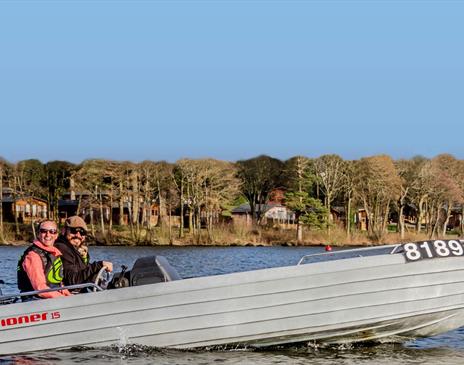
(151, 270)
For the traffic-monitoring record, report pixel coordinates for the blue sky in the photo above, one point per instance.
(163, 80)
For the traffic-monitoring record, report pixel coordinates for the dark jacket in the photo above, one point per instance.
(75, 270)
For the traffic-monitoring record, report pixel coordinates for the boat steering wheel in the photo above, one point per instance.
(102, 279)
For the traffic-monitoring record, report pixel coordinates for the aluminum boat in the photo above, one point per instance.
(385, 293)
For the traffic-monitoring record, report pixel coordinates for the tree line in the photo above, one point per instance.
(205, 190)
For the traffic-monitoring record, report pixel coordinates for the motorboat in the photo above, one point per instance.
(384, 293)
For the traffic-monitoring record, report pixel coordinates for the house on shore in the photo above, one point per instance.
(80, 203)
(272, 214)
(24, 208)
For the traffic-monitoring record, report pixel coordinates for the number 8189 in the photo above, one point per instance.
(415, 251)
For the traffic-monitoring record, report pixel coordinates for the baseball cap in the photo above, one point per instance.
(75, 222)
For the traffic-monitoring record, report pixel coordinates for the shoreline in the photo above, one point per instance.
(224, 238)
(234, 244)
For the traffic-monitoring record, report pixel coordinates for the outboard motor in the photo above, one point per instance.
(146, 270)
(152, 270)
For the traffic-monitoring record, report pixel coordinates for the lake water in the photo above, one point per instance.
(198, 261)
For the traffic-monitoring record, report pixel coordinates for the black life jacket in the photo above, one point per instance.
(52, 265)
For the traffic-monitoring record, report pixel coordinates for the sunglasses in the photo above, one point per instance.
(77, 230)
(45, 231)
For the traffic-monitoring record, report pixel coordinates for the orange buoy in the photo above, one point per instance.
(328, 248)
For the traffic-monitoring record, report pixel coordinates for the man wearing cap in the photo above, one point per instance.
(77, 269)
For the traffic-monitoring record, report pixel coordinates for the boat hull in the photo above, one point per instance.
(357, 299)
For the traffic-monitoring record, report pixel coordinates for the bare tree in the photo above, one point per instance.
(179, 181)
(155, 183)
(377, 185)
(409, 172)
(164, 186)
(299, 182)
(193, 175)
(420, 189)
(3, 167)
(348, 187)
(93, 177)
(209, 184)
(445, 192)
(460, 182)
(329, 170)
(30, 180)
(220, 187)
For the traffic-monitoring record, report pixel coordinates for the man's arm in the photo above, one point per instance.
(74, 269)
(83, 275)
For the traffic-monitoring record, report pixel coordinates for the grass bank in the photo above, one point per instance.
(226, 235)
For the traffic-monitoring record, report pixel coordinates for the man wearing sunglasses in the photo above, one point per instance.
(40, 267)
(77, 269)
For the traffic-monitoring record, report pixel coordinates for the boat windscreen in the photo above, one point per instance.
(342, 253)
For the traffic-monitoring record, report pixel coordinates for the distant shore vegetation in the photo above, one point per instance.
(258, 201)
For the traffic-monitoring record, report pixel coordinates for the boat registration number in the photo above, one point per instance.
(414, 251)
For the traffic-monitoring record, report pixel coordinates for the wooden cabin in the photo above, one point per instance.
(25, 209)
(71, 202)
